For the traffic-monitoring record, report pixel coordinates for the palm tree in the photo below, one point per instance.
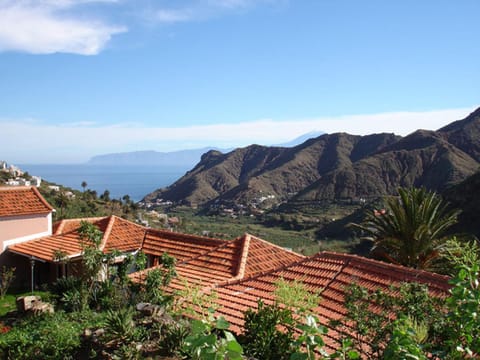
(105, 196)
(412, 229)
(62, 201)
(84, 185)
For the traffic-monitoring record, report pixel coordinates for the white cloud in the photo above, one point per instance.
(27, 141)
(231, 3)
(204, 9)
(173, 16)
(42, 27)
(65, 3)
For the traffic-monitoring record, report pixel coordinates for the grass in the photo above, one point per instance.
(8, 302)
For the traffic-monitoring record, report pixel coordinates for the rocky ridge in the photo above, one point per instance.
(332, 167)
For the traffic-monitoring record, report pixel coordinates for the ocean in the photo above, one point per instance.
(135, 181)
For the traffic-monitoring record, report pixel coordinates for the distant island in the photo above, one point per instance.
(180, 159)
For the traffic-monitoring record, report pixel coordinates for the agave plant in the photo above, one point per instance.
(412, 228)
(119, 324)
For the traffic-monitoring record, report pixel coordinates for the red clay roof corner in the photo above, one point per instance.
(24, 200)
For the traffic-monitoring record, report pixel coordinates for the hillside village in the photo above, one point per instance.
(12, 175)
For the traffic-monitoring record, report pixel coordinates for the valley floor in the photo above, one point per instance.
(300, 232)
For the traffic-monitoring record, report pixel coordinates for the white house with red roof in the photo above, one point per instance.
(24, 215)
(30, 242)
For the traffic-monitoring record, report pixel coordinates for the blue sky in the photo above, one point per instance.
(85, 77)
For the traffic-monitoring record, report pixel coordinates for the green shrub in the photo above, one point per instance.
(173, 337)
(409, 300)
(64, 284)
(262, 338)
(310, 341)
(462, 320)
(210, 339)
(404, 342)
(7, 275)
(55, 336)
(157, 279)
(119, 324)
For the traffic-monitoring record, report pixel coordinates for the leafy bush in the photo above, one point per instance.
(159, 278)
(294, 296)
(462, 320)
(411, 300)
(55, 336)
(64, 284)
(7, 275)
(263, 338)
(173, 337)
(310, 340)
(404, 342)
(72, 300)
(193, 301)
(424, 326)
(269, 331)
(210, 339)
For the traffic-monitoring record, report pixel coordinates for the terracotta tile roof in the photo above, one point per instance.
(119, 234)
(263, 255)
(44, 248)
(15, 201)
(325, 273)
(213, 261)
(200, 260)
(229, 261)
(69, 225)
(123, 235)
(180, 246)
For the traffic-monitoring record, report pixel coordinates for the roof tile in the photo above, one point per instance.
(122, 235)
(327, 274)
(16, 201)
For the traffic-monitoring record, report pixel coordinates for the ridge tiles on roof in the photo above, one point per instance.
(243, 256)
(123, 235)
(265, 256)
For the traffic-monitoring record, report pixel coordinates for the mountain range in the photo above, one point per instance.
(333, 167)
(180, 159)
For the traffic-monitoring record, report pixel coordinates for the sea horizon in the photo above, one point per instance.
(133, 180)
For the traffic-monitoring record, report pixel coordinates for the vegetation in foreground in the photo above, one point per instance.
(103, 319)
(99, 319)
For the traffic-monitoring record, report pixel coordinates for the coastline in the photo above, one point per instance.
(135, 181)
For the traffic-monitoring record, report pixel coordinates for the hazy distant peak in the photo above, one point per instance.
(301, 139)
